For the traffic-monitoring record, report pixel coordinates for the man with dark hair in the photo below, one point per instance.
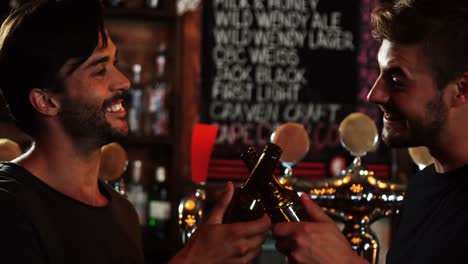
(422, 91)
(59, 78)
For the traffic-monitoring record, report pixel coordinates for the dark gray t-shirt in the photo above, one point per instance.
(433, 226)
(41, 225)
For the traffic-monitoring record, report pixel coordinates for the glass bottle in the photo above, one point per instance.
(154, 3)
(156, 114)
(135, 111)
(135, 191)
(159, 206)
(160, 60)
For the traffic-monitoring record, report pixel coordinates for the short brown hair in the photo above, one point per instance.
(439, 27)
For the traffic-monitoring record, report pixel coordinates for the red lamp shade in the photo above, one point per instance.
(203, 139)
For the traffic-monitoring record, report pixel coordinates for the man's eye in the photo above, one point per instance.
(396, 82)
(101, 72)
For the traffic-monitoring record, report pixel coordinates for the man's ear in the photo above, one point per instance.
(44, 102)
(461, 96)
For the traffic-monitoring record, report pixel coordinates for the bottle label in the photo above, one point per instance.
(138, 200)
(160, 210)
(153, 101)
(133, 120)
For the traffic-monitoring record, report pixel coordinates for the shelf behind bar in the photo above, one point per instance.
(139, 13)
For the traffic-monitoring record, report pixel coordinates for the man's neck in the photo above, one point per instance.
(66, 170)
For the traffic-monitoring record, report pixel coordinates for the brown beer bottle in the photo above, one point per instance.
(245, 204)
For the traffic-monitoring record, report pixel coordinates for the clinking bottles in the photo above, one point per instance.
(245, 204)
(282, 204)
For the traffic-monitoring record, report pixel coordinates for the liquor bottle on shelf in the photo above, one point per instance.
(161, 123)
(135, 110)
(152, 3)
(281, 203)
(156, 4)
(136, 193)
(159, 206)
(160, 60)
(156, 114)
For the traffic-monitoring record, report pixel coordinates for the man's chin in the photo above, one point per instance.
(118, 135)
(396, 142)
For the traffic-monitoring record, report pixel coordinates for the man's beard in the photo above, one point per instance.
(86, 123)
(422, 131)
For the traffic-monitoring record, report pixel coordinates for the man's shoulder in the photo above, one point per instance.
(12, 181)
(8, 178)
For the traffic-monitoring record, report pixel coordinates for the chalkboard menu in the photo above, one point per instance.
(268, 62)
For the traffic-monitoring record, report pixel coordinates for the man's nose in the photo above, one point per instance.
(378, 94)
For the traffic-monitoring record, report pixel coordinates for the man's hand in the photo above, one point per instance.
(317, 241)
(214, 242)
